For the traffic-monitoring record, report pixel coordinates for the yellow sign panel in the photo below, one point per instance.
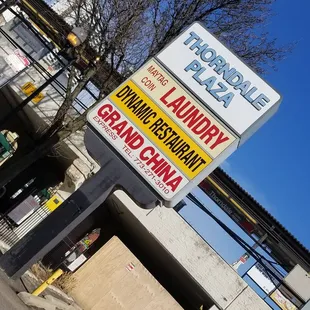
(53, 203)
(28, 89)
(190, 115)
(282, 301)
(160, 129)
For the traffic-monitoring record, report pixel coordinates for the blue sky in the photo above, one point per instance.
(273, 166)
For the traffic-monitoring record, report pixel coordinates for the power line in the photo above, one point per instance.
(257, 256)
(238, 239)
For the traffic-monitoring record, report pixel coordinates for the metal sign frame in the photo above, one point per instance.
(150, 97)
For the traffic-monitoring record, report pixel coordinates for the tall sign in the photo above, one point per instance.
(159, 134)
(183, 113)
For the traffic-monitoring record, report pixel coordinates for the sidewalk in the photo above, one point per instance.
(27, 283)
(8, 298)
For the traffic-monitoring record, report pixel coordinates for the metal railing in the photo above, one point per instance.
(78, 105)
(11, 233)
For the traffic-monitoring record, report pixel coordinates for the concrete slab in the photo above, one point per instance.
(218, 279)
(35, 301)
(248, 300)
(48, 302)
(8, 297)
(60, 304)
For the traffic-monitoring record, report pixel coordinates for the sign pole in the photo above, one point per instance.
(113, 175)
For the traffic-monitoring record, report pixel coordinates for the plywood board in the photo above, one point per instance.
(115, 279)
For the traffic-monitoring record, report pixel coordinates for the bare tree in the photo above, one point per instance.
(111, 27)
(126, 33)
(238, 23)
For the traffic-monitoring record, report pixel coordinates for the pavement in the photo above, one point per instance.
(8, 298)
(9, 289)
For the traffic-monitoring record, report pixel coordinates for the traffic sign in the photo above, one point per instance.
(28, 88)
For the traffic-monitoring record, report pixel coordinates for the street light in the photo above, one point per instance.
(77, 36)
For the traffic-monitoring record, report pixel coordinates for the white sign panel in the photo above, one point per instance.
(17, 61)
(183, 109)
(264, 279)
(236, 94)
(77, 263)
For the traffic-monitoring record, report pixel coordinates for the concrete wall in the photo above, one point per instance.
(224, 286)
